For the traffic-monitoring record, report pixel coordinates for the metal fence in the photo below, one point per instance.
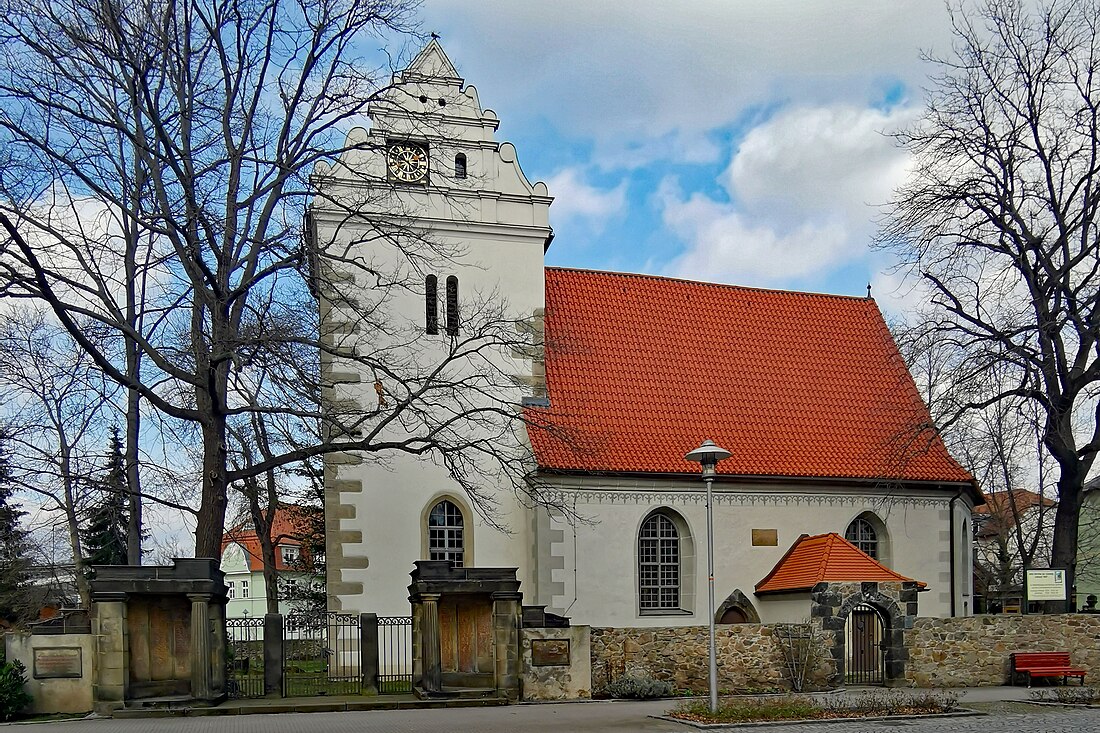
(394, 654)
(321, 654)
(245, 657)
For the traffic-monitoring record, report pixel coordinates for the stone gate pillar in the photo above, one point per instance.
(432, 679)
(507, 609)
(202, 678)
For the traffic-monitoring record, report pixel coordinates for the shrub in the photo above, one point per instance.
(12, 696)
(797, 707)
(1068, 695)
(639, 687)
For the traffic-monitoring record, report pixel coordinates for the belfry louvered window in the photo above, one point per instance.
(431, 304)
(452, 305)
(659, 564)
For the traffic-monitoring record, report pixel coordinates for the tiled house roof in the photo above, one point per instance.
(289, 528)
(641, 369)
(817, 558)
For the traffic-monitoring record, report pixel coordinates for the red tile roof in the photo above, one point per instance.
(813, 559)
(289, 528)
(998, 515)
(641, 369)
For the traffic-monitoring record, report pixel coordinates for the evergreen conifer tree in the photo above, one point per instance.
(15, 550)
(104, 535)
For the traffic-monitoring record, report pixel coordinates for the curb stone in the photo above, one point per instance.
(959, 713)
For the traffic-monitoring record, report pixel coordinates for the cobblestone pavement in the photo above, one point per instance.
(619, 717)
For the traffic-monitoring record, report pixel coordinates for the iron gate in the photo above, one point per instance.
(321, 654)
(244, 657)
(864, 643)
(394, 654)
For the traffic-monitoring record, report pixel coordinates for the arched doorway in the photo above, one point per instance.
(864, 635)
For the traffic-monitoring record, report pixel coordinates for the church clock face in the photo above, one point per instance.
(407, 162)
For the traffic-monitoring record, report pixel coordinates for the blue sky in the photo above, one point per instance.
(729, 140)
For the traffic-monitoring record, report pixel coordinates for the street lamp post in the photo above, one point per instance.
(708, 455)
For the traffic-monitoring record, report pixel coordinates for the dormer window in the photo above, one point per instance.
(290, 554)
(460, 165)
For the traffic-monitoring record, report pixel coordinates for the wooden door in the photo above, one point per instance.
(864, 641)
(466, 635)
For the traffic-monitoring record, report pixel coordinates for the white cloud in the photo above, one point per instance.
(577, 200)
(626, 73)
(807, 180)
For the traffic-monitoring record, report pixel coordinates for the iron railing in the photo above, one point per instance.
(321, 654)
(394, 654)
(245, 657)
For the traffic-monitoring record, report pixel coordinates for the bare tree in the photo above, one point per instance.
(194, 126)
(57, 407)
(999, 219)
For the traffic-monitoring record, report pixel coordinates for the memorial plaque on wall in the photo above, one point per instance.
(550, 652)
(765, 538)
(64, 661)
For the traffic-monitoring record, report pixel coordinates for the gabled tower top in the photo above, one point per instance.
(431, 63)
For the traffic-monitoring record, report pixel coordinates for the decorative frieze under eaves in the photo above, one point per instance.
(738, 498)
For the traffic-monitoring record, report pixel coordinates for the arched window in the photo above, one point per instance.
(460, 165)
(864, 536)
(446, 539)
(452, 305)
(659, 564)
(431, 304)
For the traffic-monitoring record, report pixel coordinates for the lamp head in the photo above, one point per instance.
(708, 455)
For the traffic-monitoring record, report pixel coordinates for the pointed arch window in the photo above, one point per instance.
(446, 534)
(431, 304)
(460, 165)
(452, 305)
(864, 536)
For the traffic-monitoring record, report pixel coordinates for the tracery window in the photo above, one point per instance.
(862, 534)
(431, 304)
(659, 564)
(452, 305)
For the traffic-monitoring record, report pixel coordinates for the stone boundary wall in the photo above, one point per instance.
(974, 651)
(749, 657)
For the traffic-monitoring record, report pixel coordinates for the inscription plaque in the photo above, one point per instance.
(63, 661)
(550, 652)
(765, 538)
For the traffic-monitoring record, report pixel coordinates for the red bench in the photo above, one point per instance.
(1044, 664)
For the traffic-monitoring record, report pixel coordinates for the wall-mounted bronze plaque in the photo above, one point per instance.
(64, 661)
(550, 652)
(765, 538)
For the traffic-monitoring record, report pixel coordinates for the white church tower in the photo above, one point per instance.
(428, 230)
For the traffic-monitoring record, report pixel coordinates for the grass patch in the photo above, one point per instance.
(799, 707)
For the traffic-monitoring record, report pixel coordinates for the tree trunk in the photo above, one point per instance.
(211, 517)
(1064, 550)
(133, 473)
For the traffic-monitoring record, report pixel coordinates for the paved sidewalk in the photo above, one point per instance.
(586, 717)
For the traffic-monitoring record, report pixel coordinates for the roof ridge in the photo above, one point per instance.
(754, 288)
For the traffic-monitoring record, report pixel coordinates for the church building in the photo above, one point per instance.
(832, 455)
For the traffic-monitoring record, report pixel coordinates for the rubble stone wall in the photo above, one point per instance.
(749, 657)
(974, 651)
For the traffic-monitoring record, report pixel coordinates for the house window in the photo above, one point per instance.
(244, 589)
(232, 590)
(290, 554)
(460, 166)
(452, 305)
(431, 304)
(659, 564)
(445, 534)
(862, 534)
